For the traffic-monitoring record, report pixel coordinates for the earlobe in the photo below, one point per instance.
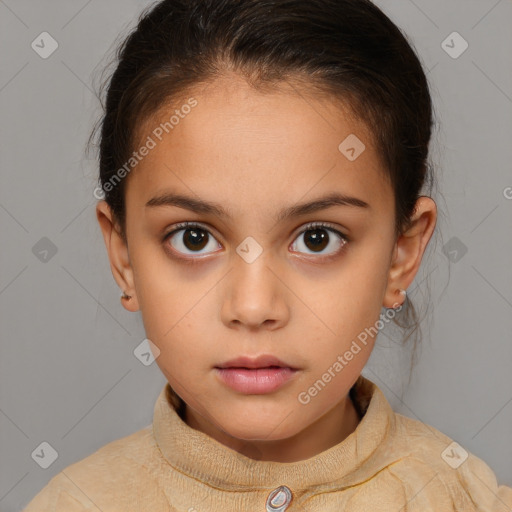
(118, 255)
(409, 250)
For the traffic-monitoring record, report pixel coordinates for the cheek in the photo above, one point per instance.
(178, 320)
(347, 302)
(343, 312)
(185, 353)
(163, 295)
(365, 279)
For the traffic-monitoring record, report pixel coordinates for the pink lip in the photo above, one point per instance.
(255, 381)
(263, 361)
(256, 376)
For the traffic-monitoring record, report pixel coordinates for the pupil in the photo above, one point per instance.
(195, 238)
(319, 239)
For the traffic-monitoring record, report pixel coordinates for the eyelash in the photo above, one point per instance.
(309, 227)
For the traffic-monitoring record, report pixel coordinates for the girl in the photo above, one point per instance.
(261, 168)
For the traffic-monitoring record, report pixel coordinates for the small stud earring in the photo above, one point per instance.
(124, 296)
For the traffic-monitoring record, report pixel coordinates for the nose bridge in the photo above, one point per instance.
(251, 269)
(254, 294)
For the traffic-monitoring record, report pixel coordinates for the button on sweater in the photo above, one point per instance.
(389, 463)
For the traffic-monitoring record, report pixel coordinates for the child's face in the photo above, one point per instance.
(304, 299)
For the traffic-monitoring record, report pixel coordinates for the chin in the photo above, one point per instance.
(259, 430)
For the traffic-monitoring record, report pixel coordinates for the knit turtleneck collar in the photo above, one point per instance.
(203, 458)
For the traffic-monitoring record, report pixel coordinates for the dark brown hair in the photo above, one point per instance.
(347, 49)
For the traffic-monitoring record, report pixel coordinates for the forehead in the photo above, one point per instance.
(248, 148)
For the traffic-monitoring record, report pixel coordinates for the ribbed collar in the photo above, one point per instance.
(201, 457)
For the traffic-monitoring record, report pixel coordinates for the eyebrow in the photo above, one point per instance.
(207, 207)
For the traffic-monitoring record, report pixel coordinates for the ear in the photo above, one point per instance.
(117, 250)
(409, 249)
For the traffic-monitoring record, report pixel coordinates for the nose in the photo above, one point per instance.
(254, 295)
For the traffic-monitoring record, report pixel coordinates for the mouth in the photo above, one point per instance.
(254, 363)
(255, 376)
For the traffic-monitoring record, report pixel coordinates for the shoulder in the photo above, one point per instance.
(122, 475)
(468, 482)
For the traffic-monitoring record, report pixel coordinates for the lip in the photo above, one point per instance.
(255, 381)
(263, 361)
(255, 376)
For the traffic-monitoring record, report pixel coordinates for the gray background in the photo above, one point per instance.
(68, 374)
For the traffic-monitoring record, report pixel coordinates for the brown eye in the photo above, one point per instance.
(191, 239)
(194, 239)
(317, 237)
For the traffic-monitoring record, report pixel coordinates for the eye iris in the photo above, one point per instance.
(319, 239)
(194, 238)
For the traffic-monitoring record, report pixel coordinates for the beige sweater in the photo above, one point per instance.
(389, 463)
